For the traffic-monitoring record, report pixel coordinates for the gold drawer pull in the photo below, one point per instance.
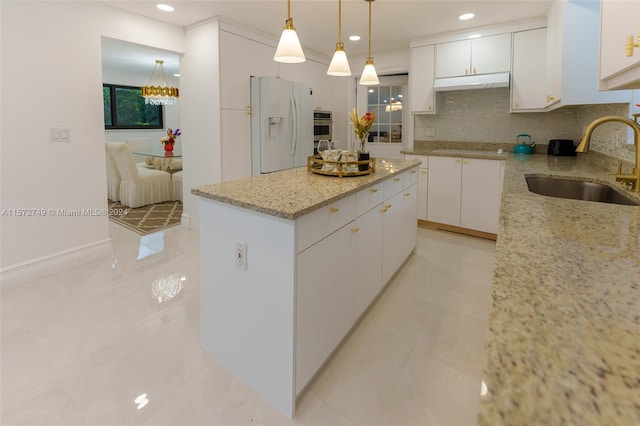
(458, 161)
(374, 190)
(396, 179)
(334, 210)
(630, 45)
(406, 194)
(355, 229)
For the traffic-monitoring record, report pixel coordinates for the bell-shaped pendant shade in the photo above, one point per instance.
(289, 49)
(369, 76)
(339, 65)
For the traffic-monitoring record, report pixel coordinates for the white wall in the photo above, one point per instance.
(51, 77)
(200, 97)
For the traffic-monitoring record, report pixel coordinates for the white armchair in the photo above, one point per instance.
(139, 186)
(176, 186)
(140, 144)
(113, 176)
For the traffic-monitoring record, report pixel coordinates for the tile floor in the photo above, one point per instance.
(83, 347)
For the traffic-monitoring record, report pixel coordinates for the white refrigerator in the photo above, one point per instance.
(281, 124)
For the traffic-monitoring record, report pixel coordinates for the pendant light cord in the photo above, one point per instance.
(369, 27)
(339, 21)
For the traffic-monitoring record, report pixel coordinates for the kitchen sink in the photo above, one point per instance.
(577, 190)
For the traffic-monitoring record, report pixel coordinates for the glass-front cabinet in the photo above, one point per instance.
(387, 102)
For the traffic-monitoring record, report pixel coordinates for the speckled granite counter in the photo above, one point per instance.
(304, 190)
(563, 345)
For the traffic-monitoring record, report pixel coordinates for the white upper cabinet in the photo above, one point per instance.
(580, 57)
(484, 55)
(422, 78)
(528, 77)
(619, 21)
(315, 75)
(234, 78)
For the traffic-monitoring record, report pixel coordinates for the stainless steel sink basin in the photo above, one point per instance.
(577, 190)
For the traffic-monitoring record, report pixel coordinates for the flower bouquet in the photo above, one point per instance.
(361, 126)
(170, 139)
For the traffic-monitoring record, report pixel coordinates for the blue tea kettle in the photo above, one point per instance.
(524, 144)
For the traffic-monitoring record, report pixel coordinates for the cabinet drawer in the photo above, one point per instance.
(369, 198)
(318, 224)
(393, 185)
(410, 177)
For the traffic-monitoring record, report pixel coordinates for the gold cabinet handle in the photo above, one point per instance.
(516, 105)
(383, 210)
(458, 161)
(430, 108)
(413, 172)
(550, 98)
(474, 70)
(466, 161)
(424, 172)
(334, 210)
(355, 229)
(373, 190)
(406, 194)
(396, 179)
(248, 110)
(629, 45)
(388, 206)
(466, 71)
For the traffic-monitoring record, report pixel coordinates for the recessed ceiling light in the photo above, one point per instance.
(475, 36)
(354, 37)
(165, 7)
(466, 16)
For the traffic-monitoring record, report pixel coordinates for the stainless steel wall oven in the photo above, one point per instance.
(322, 127)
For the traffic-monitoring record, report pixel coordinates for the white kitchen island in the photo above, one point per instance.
(290, 260)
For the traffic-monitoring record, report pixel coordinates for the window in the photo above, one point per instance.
(124, 108)
(387, 102)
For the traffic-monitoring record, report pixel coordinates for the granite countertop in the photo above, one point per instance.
(563, 344)
(292, 193)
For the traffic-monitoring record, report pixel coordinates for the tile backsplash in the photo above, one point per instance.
(483, 116)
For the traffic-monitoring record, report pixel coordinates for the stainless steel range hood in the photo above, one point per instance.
(483, 81)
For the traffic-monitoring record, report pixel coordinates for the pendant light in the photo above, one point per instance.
(339, 65)
(289, 50)
(369, 76)
(161, 93)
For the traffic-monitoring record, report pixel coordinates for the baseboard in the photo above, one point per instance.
(38, 268)
(457, 229)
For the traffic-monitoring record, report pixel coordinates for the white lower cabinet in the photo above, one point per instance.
(339, 276)
(399, 230)
(324, 301)
(368, 248)
(423, 182)
(444, 190)
(465, 192)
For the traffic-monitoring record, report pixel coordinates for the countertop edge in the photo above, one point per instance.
(218, 192)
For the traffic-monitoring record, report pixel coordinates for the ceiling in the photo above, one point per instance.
(394, 22)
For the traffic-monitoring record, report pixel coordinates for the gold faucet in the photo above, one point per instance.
(634, 177)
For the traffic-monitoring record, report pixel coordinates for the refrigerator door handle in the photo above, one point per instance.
(294, 125)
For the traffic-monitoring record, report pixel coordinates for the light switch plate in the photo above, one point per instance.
(59, 134)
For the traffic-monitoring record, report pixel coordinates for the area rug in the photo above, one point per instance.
(147, 219)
